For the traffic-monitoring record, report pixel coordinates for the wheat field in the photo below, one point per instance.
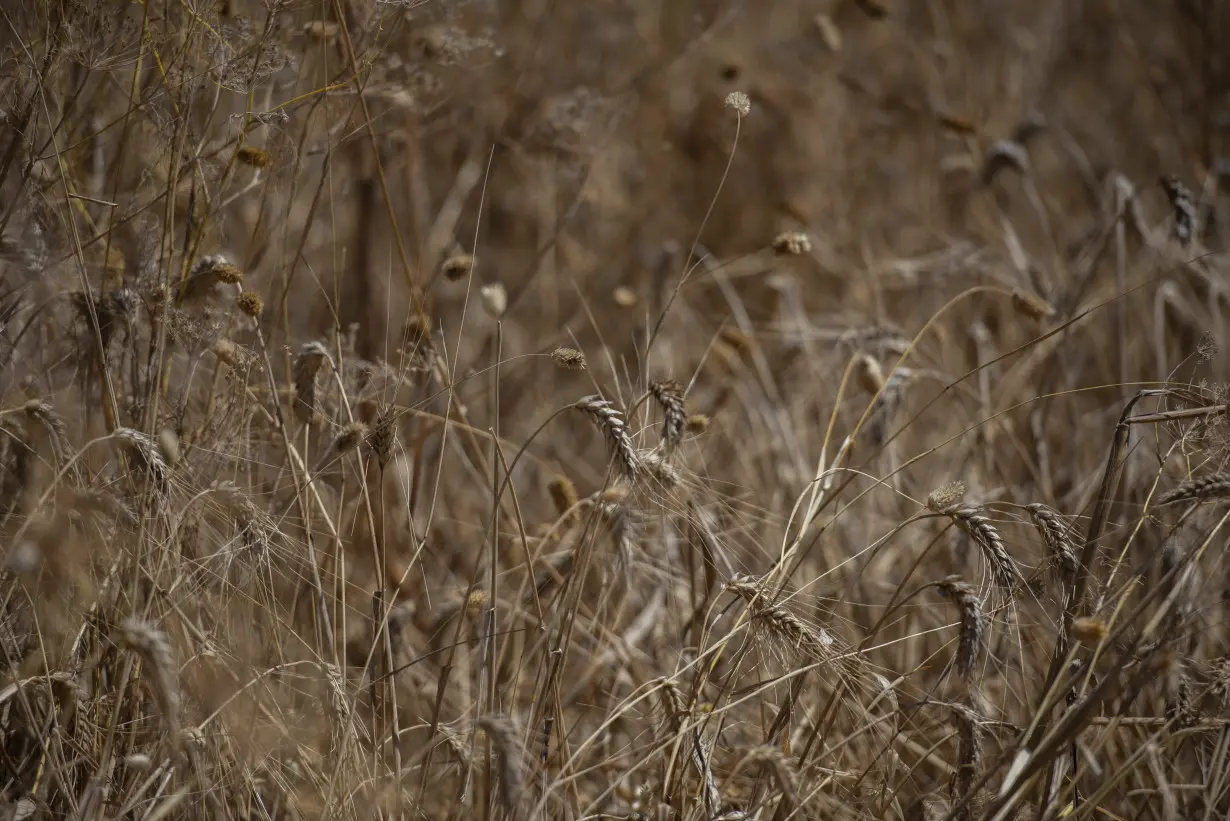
(614, 409)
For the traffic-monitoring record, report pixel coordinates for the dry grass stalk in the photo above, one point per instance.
(970, 641)
(611, 422)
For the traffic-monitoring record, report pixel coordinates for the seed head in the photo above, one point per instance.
(739, 103)
(457, 266)
(1031, 305)
(868, 374)
(250, 304)
(495, 299)
(624, 297)
(791, 243)
(946, 495)
(1089, 630)
(568, 358)
(699, 423)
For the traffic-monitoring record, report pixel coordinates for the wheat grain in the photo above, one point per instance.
(1056, 533)
(611, 422)
(153, 647)
(984, 534)
(1216, 486)
(669, 396)
(503, 735)
(969, 643)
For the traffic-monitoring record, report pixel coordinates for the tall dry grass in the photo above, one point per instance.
(690, 410)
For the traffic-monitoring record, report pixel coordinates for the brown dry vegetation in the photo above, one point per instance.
(440, 409)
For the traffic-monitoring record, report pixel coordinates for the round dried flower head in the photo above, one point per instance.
(1089, 630)
(698, 423)
(569, 358)
(227, 272)
(250, 303)
(945, 496)
(351, 437)
(253, 156)
(457, 266)
(738, 102)
(495, 299)
(792, 243)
